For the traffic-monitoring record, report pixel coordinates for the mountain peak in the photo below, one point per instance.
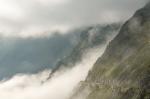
(147, 4)
(144, 12)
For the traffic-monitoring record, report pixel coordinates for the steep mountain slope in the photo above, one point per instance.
(123, 71)
(90, 37)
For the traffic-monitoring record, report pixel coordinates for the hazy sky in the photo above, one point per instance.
(31, 17)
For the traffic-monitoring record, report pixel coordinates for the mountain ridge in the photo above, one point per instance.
(126, 61)
(89, 38)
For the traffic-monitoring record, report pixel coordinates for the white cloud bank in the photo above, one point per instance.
(32, 17)
(59, 87)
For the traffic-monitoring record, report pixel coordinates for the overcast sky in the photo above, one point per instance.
(32, 17)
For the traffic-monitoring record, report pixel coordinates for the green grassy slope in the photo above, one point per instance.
(123, 72)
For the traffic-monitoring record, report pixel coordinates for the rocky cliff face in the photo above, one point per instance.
(123, 71)
(90, 37)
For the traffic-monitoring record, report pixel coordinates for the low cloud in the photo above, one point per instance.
(59, 87)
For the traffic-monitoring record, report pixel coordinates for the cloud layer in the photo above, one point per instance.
(59, 87)
(29, 16)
